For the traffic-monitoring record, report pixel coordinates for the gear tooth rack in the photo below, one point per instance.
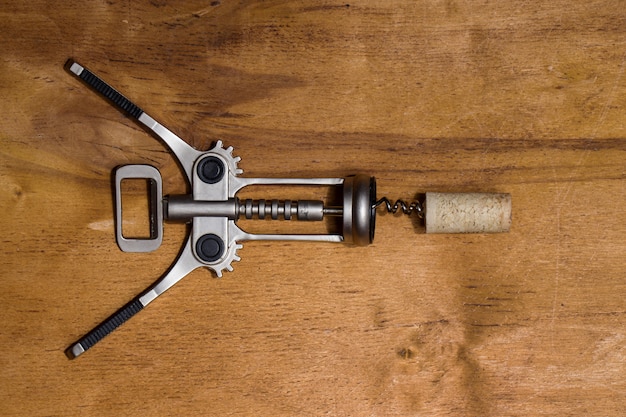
(213, 209)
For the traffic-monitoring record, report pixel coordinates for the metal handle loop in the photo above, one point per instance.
(128, 244)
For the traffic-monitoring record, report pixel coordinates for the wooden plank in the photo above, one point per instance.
(427, 96)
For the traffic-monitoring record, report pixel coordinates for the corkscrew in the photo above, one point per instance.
(213, 209)
(408, 209)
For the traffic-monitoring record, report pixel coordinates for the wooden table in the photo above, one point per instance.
(525, 98)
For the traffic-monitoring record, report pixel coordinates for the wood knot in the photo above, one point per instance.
(406, 353)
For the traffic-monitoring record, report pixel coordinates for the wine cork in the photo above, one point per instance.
(467, 213)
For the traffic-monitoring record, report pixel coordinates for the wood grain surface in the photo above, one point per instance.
(527, 98)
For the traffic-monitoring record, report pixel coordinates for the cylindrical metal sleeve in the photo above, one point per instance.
(310, 210)
(467, 213)
(185, 208)
(359, 211)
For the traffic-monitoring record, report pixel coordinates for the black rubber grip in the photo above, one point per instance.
(110, 324)
(110, 93)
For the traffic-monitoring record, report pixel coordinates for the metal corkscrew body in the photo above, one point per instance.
(213, 209)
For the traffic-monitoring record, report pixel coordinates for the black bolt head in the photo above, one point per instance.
(211, 170)
(210, 248)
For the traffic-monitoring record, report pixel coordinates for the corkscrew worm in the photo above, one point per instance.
(408, 209)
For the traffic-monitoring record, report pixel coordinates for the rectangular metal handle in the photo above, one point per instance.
(129, 244)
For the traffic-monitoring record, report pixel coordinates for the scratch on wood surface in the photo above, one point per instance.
(564, 193)
(101, 225)
(557, 273)
(206, 10)
(609, 100)
(584, 155)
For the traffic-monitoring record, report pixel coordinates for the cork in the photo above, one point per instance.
(467, 213)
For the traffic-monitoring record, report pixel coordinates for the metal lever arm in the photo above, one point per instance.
(185, 153)
(106, 327)
(185, 263)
